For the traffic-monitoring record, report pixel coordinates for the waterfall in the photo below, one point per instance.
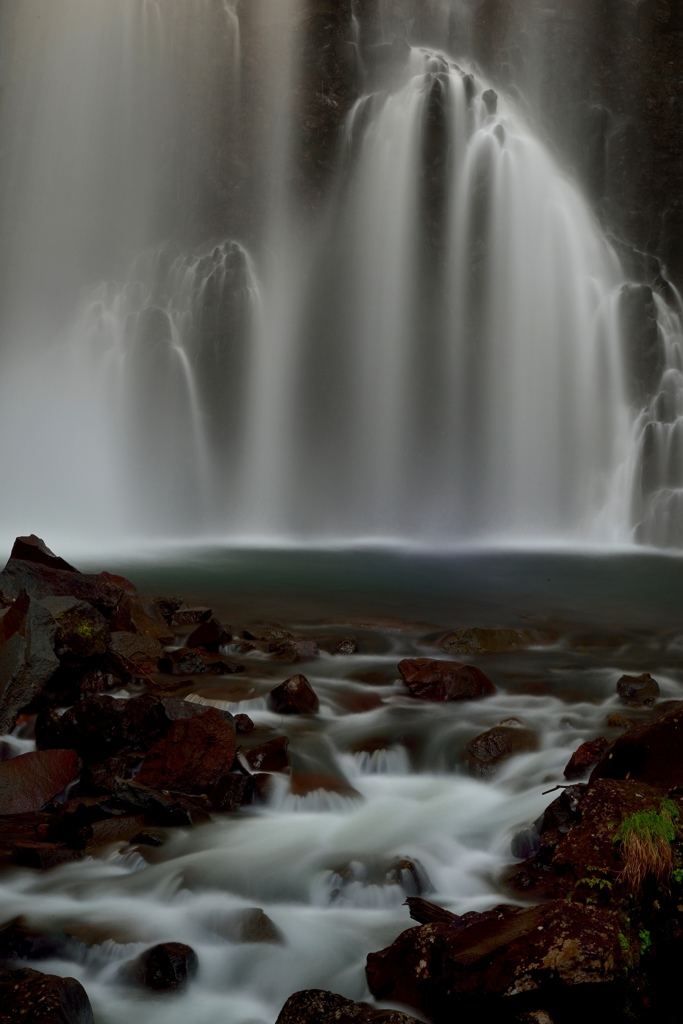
(435, 351)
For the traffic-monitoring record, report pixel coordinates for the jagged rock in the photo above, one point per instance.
(163, 807)
(28, 995)
(475, 640)
(29, 781)
(269, 757)
(347, 645)
(485, 752)
(184, 616)
(210, 634)
(104, 590)
(642, 689)
(294, 697)
(33, 549)
(267, 632)
(651, 753)
(244, 724)
(82, 631)
(534, 958)
(315, 1006)
(585, 758)
(433, 680)
(193, 756)
(167, 967)
(27, 657)
(131, 616)
(135, 653)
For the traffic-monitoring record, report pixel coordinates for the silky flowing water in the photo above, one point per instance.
(332, 870)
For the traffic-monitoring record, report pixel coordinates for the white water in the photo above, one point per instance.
(437, 357)
(322, 867)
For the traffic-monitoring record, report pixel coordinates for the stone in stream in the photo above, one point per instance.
(28, 995)
(135, 653)
(18, 941)
(182, 662)
(433, 680)
(635, 690)
(651, 753)
(296, 649)
(476, 640)
(269, 757)
(486, 751)
(250, 924)
(29, 781)
(316, 1006)
(167, 967)
(585, 758)
(294, 697)
(82, 631)
(193, 756)
(131, 616)
(210, 634)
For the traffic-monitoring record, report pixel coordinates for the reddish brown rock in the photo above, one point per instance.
(182, 662)
(294, 697)
(585, 758)
(637, 690)
(347, 645)
(30, 996)
(134, 652)
(131, 616)
(244, 724)
(33, 549)
(210, 634)
(269, 757)
(29, 781)
(294, 650)
(41, 581)
(27, 657)
(649, 753)
(184, 616)
(544, 955)
(433, 680)
(230, 792)
(193, 756)
(486, 751)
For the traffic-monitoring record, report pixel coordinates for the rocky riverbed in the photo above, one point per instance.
(238, 821)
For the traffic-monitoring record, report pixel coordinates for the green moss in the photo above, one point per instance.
(650, 826)
(645, 940)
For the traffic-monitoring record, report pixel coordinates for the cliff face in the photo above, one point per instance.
(601, 79)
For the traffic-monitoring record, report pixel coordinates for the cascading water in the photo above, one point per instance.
(436, 356)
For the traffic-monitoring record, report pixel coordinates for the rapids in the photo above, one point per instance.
(331, 869)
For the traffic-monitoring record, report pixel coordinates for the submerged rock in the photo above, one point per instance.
(476, 640)
(168, 967)
(642, 689)
(433, 680)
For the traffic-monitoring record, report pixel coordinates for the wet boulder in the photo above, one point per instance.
(18, 941)
(294, 697)
(651, 753)
(433, 680)
(131, 616)
(296, 649)
(135, 653)
(33, 549)
(486, 751)
(347, 645)
(476, 640)
(250, 924)
(82, 631)
(585, 758)
(93, 728)
(269, 757)
(28, 995)
(193, 756)
(316, 1006)
(231, 792)
(182, 662)
(510, 961)
(29, 781)
(635, 690)
(209, 634)
(28, 661)
(167, 967)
